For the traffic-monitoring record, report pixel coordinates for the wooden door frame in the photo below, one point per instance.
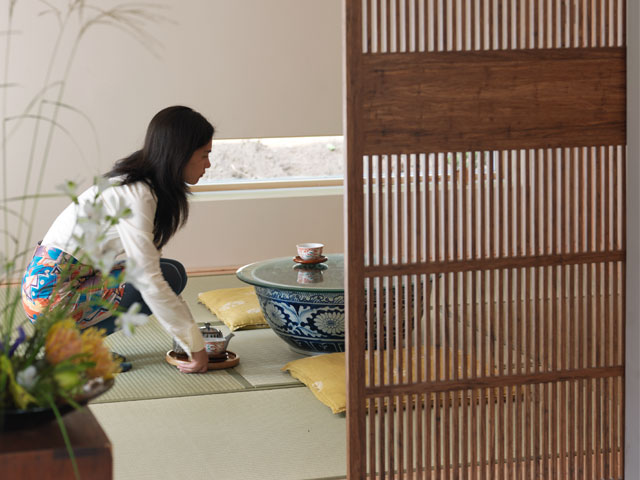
(352, 253)
(632, 360)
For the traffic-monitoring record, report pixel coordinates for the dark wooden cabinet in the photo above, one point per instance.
(40, 453)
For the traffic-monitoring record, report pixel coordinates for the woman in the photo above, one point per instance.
(152, 182)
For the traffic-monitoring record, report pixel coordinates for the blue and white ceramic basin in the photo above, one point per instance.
(309, 322)
(303, 304)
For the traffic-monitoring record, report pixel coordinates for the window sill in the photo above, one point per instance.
(267, 189)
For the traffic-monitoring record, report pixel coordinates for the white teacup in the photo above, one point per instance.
(309, 251)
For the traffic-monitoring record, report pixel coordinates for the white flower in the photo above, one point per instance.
(130, 319)
(93, 223)
(92, 212)
(27, 378)
(69, 188)
(122, 210)
(135, 275)
(91, 237)
(102, 183)
(93, 244)
(103, 260)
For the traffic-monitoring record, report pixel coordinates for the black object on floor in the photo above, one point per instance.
(117, 356)
(124, 365)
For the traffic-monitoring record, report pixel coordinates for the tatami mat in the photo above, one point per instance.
(153, 377)
(262, 355)
(260, 431)
(281, 434)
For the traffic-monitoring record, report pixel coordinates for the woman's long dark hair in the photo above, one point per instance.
(173, 135)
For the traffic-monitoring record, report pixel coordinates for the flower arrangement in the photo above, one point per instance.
(34, 369)
(56, 360)
(57, 363)
(52, 362)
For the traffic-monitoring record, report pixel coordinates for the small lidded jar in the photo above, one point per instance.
(215, 343)
(212, 337)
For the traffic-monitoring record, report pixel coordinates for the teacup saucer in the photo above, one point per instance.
(320, 259)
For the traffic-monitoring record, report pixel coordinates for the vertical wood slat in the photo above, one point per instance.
(529, 339)
(388, 27)
(398, 27)
(564, 338)
(583, 25)
(354, 263)
(408, 310)
(397, 327)
(456, 172)
(621, 323)
(371, 208)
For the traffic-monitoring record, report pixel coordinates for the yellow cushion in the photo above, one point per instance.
(236, 307)
(325, 375)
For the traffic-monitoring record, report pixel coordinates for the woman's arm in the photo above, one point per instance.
(136, 235)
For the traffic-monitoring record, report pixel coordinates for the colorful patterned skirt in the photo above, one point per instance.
(54, 276)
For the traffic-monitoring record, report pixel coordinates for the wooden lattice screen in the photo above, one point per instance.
(485, 238)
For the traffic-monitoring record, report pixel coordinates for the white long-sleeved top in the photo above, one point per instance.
(133, 236)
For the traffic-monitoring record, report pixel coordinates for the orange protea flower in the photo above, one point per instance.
(93, 344)
(62, 342)
(65, 340)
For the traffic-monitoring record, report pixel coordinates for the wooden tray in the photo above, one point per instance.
(231, 361)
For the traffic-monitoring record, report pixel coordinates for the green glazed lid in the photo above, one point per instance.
(285, 273)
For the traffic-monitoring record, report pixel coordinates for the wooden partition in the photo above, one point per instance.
(485, 238)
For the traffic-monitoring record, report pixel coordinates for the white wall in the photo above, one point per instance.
(236, 231)
(254, 68)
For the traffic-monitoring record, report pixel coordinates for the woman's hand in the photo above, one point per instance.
(199, 363)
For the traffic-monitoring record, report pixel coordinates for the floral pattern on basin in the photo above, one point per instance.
(331, 322)
(310, 322)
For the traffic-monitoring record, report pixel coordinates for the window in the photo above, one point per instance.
(274, 163)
